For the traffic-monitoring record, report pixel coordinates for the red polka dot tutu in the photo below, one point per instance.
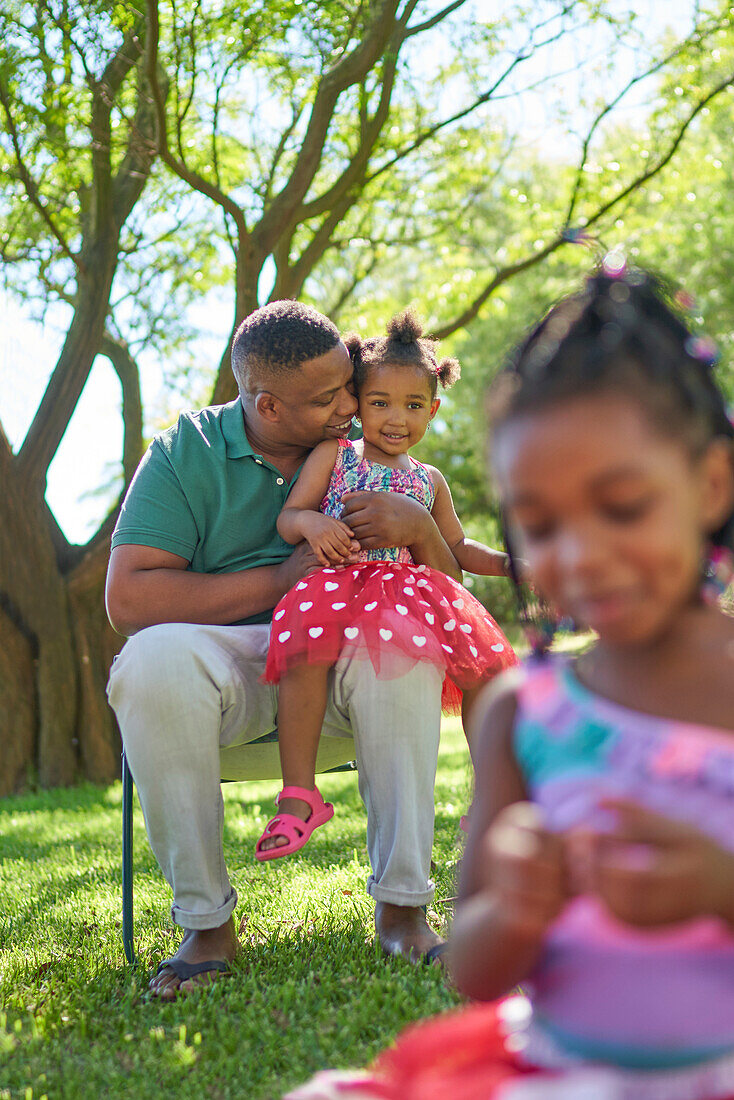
(395, 615)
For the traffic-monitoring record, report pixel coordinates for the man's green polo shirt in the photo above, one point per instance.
(203, 493)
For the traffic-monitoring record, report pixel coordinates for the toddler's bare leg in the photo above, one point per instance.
(468, 701)
(302, 696)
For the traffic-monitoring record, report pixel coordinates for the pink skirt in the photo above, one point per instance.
(395, 615)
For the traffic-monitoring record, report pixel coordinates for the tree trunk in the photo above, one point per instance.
(55, 651)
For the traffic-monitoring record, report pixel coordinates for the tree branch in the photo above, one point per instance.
(126, 369)
(508, 272)
(30, 185)
(193, 179)
(349, 70)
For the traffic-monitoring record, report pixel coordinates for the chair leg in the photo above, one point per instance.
(127, 862)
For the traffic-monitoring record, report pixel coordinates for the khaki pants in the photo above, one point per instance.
(183, 692)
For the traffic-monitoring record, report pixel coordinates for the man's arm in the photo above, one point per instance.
(380, 519)
(146, 586)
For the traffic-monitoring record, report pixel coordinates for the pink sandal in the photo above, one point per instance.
(296, 832)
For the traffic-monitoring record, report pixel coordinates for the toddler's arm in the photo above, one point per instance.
(330, 539)
(513, 876)
(472, 556)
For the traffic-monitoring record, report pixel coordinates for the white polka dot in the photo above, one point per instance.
(301, 585)
(401, 609)
(409, 591)
(430, 618)
(351, 632)
(316, 631)
(370, 606)
(331, 586)
(419, 640)
(497, 648)
(284, 636)
(386, 635)
(338, 606)
(474, 652)
(306, 605)
(465, 627)
(279, 615)
(457, 603)
(450, 624)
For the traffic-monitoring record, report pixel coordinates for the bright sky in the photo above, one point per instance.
(89, 455)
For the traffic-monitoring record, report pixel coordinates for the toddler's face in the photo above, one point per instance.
(396, 407)
(609, 513)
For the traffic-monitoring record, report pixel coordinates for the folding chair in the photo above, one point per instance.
(257, 760)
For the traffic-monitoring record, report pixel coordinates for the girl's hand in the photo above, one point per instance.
(525, 870)
(332, 541)
(653, 870)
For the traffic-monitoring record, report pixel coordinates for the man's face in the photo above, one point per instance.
(317, 401)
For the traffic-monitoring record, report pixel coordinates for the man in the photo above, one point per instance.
(196, 568)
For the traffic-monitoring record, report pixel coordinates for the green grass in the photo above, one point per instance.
(310, 989)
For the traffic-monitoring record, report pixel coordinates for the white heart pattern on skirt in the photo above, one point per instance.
(279, 614)
(331, 586)
(401, 609)
(306, 605)
(316, 631)
(284, 636)
(419, 640)
(450, 624)
(386, 635)
(370, 606)
(338, 606)
(465, 627)
(458, 603)
(351, 632)
(498, 647)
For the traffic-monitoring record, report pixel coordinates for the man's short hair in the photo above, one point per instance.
(276, 339)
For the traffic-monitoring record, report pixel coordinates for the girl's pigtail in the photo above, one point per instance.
(538, 620)
(448, 372)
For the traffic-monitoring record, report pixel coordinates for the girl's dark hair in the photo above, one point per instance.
(405, 345)
(621, 334)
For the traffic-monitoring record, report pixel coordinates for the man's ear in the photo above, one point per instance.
(717, 495)
(267, 405)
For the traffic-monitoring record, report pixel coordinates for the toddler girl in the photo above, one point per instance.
(385, 608)
(599, 869)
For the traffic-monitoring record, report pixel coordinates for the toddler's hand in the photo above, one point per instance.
(331, 540)
(653, 870)
(525, 870)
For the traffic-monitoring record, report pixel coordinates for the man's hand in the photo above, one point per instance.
(302, 561)
(525, 870)
(380, 519)
(331, 540)
(653, 870)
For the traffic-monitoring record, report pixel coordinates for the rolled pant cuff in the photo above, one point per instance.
(200, 921)
(401, 897)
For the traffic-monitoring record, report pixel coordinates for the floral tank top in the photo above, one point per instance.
(352, 473)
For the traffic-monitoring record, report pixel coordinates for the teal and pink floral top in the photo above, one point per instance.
(603, 990)
(352, 473)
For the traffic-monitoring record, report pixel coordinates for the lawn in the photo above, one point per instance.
(310, 988)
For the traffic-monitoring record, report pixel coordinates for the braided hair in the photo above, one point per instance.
(623, 334)
(404, 345)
